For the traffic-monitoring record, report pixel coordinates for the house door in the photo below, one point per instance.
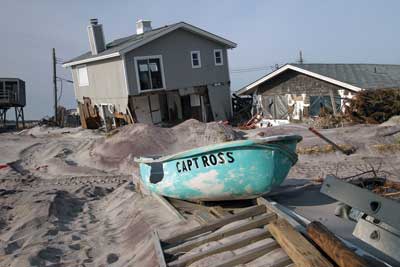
(142, 109)
(154, 104)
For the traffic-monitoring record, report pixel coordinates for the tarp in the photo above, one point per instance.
(275, 106)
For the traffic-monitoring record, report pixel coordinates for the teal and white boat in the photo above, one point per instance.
(232, 170)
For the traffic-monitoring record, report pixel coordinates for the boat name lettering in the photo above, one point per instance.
(204, 161)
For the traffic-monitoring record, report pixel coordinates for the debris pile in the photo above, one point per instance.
(373, 106)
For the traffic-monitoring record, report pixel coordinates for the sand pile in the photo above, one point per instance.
(149, 140)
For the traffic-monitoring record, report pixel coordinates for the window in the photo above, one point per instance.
(150, 73)
(83, 79)
(218, 59)
(196, 60)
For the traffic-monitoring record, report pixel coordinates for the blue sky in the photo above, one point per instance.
(267, 33)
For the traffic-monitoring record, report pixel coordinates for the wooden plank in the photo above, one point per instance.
(232, 245)
(158, 249)
(253, 211)
(166, 204)
(181, 204)
(219, 211)
(334, 247)
(255, 223)
(248, 256)
(302, 252)
(283, 262)
(204, 217)
(275, 207)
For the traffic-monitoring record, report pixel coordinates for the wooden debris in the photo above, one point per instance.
(333, 246)
(302, 252)
(262, 220)
(234, 244)
(346, 152)
(248, 256)
(158, 249)
(257, 210)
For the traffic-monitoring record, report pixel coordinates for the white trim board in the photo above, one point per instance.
(73, 63)
(129, 47)
(180, 25)
(306, 72)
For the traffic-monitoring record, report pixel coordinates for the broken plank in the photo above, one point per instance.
(158, 249)
(333, 246)
(250, 212)
(204, 217)
(254, 223)
(219, 211)
(302, 252)
(249, 255)
(232, 245)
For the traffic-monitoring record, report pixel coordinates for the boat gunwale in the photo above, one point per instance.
(259, 142)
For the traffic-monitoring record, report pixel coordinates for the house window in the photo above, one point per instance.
(218, 59)
(83, 79)
(150, 73)
(196, 60)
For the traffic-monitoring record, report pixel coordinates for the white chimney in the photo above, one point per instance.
(96, 37)
(143, 26)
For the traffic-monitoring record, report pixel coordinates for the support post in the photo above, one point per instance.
(55, 85)
(16, 117)
(333, 102)
(3, 116)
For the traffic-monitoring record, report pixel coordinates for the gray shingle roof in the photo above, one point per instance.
(366, 76)
(121, 43)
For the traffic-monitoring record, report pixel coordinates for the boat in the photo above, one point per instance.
(233, 170)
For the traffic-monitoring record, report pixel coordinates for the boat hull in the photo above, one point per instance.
(234, 170)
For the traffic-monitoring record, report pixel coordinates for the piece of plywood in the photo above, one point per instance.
(254, 223)
(158, 249)
(246, 213)
(167, 205)
(302, 252)
(232, 245)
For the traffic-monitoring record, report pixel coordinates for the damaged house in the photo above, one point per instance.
(160, 76)
(297, 91)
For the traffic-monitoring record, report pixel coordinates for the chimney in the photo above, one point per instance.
(96, 37)
(143, 26)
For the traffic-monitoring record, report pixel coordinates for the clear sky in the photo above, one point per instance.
(267, 33)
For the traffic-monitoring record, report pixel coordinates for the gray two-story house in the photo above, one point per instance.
(167, 74)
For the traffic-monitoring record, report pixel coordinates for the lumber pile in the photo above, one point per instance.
(251, 233)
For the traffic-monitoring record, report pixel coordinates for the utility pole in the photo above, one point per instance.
(55, 85)
(301, 60)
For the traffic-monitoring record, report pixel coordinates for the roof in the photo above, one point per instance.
(354, 77)
(123, 45)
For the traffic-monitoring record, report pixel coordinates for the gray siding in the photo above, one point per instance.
(106, 84)
(175, 50)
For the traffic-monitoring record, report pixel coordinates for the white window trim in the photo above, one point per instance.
(137, 73)
(79, 78)
(199, 58)
(215, 58)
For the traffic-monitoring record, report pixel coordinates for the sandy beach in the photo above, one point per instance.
(67, 196)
